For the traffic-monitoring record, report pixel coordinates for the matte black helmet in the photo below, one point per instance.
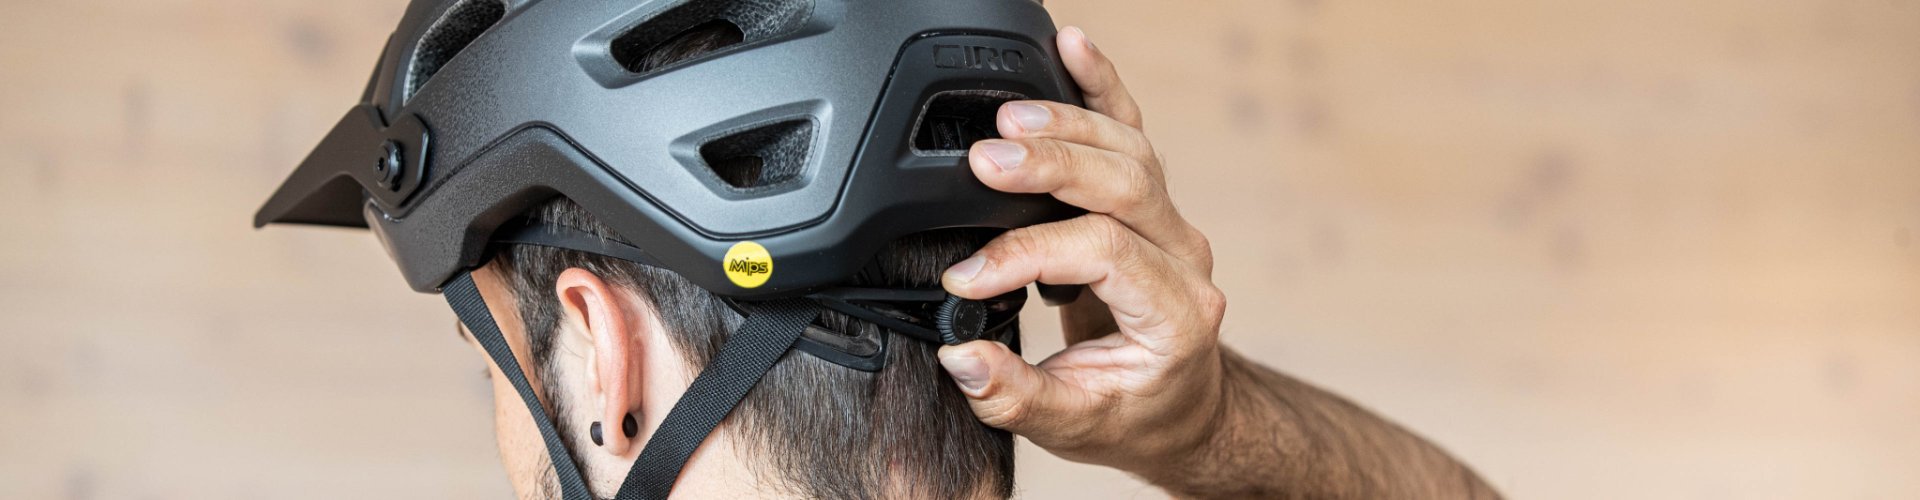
(854, 117)
(769, 171)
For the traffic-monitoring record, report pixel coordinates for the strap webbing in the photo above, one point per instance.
(769, 331)
(472, 310)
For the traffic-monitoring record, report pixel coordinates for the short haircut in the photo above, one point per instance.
(815, 428)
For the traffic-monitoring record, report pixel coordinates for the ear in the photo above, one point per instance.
(614, 324)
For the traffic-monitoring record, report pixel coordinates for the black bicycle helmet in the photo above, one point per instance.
(769, 171)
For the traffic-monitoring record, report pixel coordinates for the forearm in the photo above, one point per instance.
(1277, 437)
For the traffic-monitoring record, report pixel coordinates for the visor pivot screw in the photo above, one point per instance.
(961, 320)
(388, 166)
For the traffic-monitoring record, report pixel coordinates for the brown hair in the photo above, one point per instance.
(816, 428)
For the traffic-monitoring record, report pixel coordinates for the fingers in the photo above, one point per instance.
(1098, 180)
(1007, 393)
(1052, 120)
(1095, 157)
(1094, 179)
(1142, 285)
(1086, 318)
(1099, 81)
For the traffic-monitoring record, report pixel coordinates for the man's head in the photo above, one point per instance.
(692, 126)
(608, 339)
(604, 338)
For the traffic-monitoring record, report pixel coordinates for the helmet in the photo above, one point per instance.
(856, 113)
(768, 172)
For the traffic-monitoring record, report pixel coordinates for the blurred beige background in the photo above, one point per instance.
(1618, 249)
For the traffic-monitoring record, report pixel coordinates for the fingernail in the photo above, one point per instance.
(1031, 116)
(966, 369)
(966, 270)
(1005, 155)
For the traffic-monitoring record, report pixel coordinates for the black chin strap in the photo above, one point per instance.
(768, 332)
(472, 310)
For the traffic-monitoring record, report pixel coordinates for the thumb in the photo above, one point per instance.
(1003, 389)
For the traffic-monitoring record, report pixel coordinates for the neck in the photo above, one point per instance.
(718, 470)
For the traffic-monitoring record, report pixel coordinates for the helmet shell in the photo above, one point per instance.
(829, 96)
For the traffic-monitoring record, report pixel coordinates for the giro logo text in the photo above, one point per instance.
(977, 57)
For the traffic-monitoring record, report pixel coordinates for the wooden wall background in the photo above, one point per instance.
(1622, 249)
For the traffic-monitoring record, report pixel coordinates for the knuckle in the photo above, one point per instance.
(1142, 149)
(1004, 412)
(1138, 184)
(1084, 158)
(1112, 236)
(1047, 156)
(1201, 243)
(1067, 118)
(1202, 247)
(1156, 164)
(1011, 245)
(1213, 302)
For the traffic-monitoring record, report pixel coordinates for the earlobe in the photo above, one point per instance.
(611, 323)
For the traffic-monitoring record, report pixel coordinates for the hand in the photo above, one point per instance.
(1140, 380)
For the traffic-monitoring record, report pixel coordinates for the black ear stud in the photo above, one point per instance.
(628, 426)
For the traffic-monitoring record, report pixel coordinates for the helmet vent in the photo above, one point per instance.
(952, 121)
(711, 25)
(762, 158)
(458, 27)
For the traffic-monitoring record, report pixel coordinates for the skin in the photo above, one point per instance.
(614, 353)
(1143, 386)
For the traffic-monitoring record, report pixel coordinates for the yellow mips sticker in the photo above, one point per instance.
(748, 264)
